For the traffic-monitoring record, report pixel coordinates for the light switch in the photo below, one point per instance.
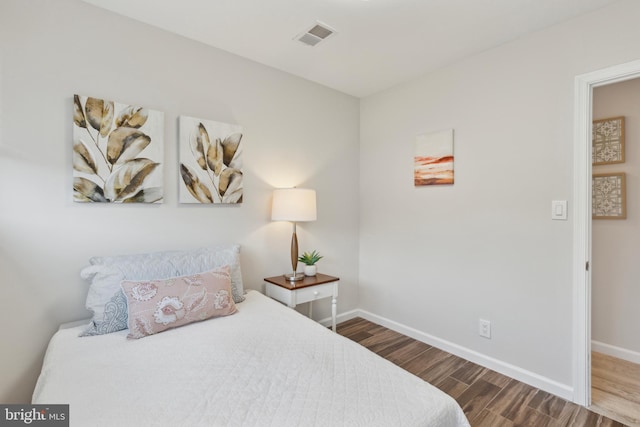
(559, 209)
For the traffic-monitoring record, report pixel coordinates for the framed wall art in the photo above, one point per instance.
(117, 152)
(433, 159)
(607, 138)
(609, 196)
(210, 162)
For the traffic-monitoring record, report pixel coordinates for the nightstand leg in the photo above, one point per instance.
(310, 309)
(334, 310)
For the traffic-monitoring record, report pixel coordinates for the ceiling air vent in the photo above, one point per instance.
(315, 34)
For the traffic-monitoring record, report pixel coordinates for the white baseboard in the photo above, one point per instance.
(342, 317)
(619, 352)
(538, 381)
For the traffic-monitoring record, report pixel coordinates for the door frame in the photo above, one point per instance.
(583, 106)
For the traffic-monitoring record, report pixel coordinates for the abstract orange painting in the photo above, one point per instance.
(433, 161)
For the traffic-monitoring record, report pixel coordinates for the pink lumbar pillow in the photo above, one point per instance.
(157, 305)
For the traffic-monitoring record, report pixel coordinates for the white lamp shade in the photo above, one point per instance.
(293, 204)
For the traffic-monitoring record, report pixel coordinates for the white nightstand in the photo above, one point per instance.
(309, 289)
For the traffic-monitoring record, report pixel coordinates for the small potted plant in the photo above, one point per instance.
(310, 259)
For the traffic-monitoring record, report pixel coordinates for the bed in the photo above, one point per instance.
(262, 365)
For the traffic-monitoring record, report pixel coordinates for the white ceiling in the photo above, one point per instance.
(379, 43)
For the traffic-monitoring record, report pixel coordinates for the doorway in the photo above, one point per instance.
(615, 356)
(582, 249)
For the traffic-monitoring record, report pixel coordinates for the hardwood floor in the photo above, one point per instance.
(615, 388)
(488, 398)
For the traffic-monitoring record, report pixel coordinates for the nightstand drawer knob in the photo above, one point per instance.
(316, 293)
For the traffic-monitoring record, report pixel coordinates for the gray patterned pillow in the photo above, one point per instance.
(114, 317)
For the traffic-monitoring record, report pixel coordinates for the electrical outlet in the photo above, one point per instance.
(484, 328)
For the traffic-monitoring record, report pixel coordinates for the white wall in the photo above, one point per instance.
(615, 290)
(295, 133)
(438, 258)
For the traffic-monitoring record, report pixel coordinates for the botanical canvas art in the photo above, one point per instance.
(433, 161)
(607, 137)
(117, 152)
(609, 198)
(210, 161)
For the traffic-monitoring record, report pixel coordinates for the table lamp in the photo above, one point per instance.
(295, 205)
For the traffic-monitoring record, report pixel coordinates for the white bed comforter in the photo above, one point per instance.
(266, 365)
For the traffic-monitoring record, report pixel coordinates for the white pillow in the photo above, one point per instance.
(105, 298)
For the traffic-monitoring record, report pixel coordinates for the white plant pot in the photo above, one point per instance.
(310, 270)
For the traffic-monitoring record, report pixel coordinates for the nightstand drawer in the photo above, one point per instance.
(314, 292)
